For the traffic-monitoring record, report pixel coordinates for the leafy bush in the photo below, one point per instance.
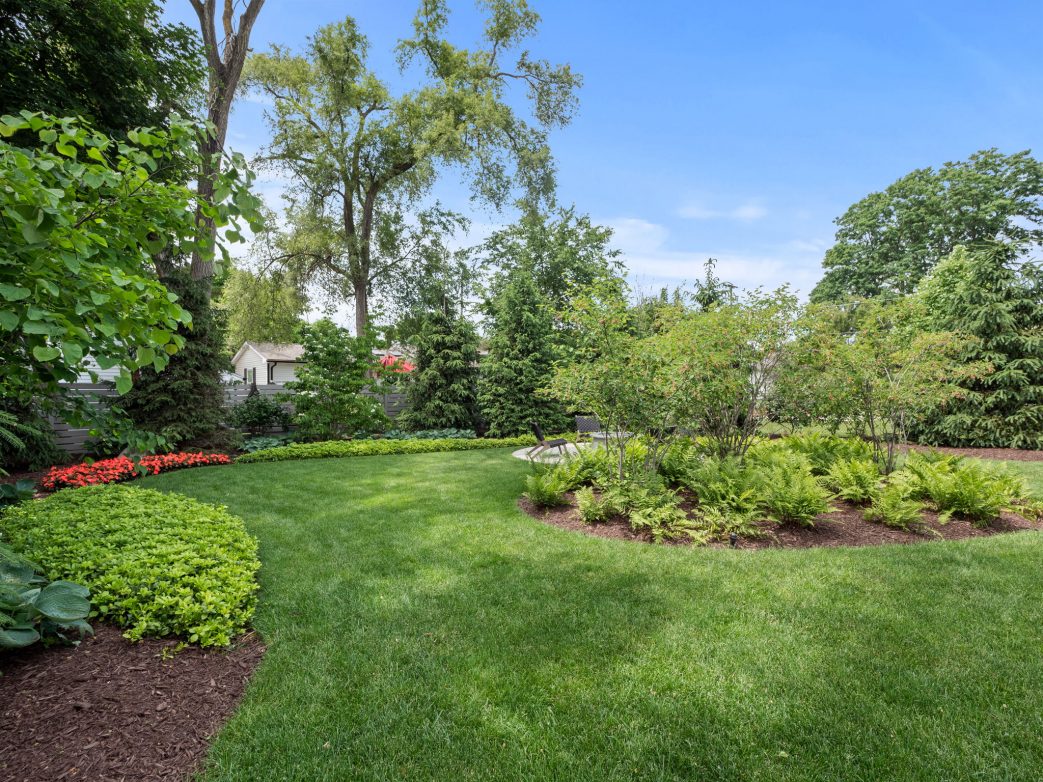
(854, 480)
(123, 469)
(157, 564)
(546, 488)
(31, 609)
(331, 449)
(262, 442)
(718, 524)
(666, 521)
(257, 413)
(724, 484)
(19, 491)
(592, 509)
(893, 507)
(824, 450)
(961, 488)
(791, 493)
(430, 434)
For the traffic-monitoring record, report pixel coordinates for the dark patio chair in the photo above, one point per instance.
(542, 444)
(586, 425)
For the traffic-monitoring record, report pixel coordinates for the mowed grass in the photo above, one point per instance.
(420, 627)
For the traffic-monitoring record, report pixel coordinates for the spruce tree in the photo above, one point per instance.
(441, 392)
(185, 401)
(520, 362)
(994, 297)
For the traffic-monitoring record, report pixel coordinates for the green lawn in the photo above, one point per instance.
(421, 627)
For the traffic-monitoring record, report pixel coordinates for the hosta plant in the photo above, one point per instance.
(33, 609)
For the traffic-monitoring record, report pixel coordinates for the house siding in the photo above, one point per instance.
(252, 362)
(283, 373)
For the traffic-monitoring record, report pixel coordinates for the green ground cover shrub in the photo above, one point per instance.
(157, 564)
(962, 488)
(342, 448)
(893, 507)
(825, 450)
(430, 434)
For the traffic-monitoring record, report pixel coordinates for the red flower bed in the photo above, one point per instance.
(123, 469)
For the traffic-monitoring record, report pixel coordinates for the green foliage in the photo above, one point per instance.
(343, 448)
(262, 307)
(113, 61)
(996, 297)
(330, 111)
(791, 493)
(520, 362)
(430, 434)
(257, 413)
(825, 450)
(83, 218)
(18, 491)
(854, 480)
(893, 507)
(112, 432)
(335, 369)
(157, 564)
(31, 609)
(871, 367)
(546, 488)
(724, 485)
(963, 488)
(888, 241)
(185, 401)
(26, 439)
(263, 443)
(594, 509)
(441, 392)
(561, 252)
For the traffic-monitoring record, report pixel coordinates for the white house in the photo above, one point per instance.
(267, 363)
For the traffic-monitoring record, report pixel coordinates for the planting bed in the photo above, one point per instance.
(845, 526)
(114, 710)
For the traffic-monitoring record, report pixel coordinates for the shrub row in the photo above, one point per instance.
(157, 564)
(124, 469)
(341, 448)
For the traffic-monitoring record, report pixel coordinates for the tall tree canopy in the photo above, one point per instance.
(888, 241)
(562, 252)
(225, 52)
(991, 296)
(114, 62)
(360, 155)
(261, 306)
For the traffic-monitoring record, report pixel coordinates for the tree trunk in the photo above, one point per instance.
(361, 308)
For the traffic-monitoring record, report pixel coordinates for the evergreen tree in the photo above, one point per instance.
(520, 362)
(990, 295)
(185, 401)
(441, 392)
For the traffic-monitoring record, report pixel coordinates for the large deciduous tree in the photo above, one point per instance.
(83, 216)
(263, 306)
(226, 51)
(360, 155)
(113, 62)
(991, 295)
(888, 241)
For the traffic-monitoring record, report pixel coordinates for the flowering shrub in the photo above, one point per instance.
(123, 469)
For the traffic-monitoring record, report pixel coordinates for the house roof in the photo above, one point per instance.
(272, 351)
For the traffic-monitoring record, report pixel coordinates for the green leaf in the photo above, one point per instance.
(8, 320)
(123, 383)
(42, 353)
(63, 601)
(12, 638)
(13, 292)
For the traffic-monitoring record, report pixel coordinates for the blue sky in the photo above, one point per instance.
(736, 130)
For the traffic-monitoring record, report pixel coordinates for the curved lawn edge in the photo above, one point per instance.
(333, 449)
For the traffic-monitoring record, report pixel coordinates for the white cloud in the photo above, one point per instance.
(652, 263)
(746, 212)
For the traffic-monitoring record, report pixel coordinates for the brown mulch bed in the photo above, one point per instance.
(845, 526)
(114, 710)
(1009, 454)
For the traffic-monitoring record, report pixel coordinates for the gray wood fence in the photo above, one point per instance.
(71, 439)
